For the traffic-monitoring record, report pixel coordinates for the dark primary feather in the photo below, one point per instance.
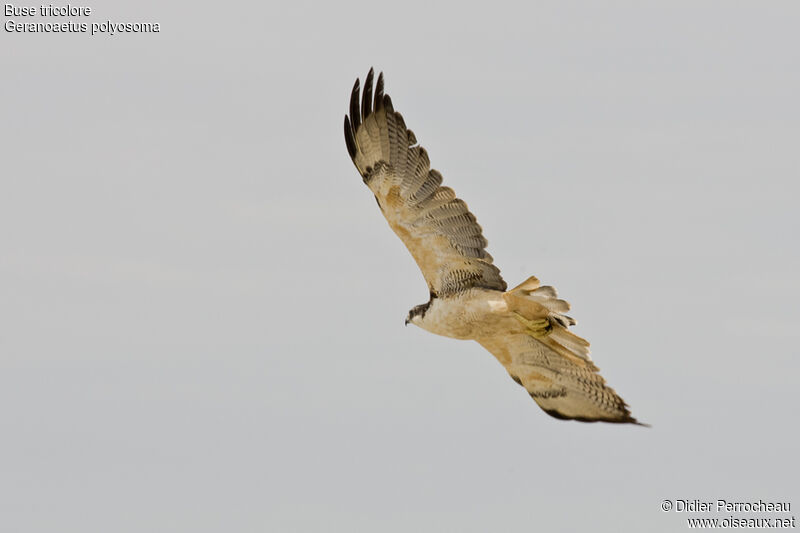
(379, 92)
(355, 116)
(348, 137)
(366, 106)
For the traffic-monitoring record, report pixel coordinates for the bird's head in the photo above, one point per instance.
(417, 313)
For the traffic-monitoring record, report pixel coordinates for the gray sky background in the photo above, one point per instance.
(203, 308)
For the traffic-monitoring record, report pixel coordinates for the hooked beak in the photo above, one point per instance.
(406, 322)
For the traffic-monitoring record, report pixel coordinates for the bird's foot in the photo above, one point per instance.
(538, 329)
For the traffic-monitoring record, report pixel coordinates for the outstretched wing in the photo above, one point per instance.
(563, 387)
(437, 228)
(555, 368)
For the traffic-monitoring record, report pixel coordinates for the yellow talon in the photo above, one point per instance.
(537, 329)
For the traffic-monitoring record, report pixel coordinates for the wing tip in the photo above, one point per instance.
(355, 103)
(379, 92)
(349, 138)
(366, 102)
(363, 107)
(626, 419)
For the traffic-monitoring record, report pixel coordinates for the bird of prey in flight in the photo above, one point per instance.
(525, 328)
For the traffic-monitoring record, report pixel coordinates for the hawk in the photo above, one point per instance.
(525, 328)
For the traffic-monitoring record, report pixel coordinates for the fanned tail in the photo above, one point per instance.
(533, 302)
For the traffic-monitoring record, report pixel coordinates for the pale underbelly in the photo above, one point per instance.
(477, 314)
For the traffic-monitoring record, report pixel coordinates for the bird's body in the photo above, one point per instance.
(468, 315)
(525, 328)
